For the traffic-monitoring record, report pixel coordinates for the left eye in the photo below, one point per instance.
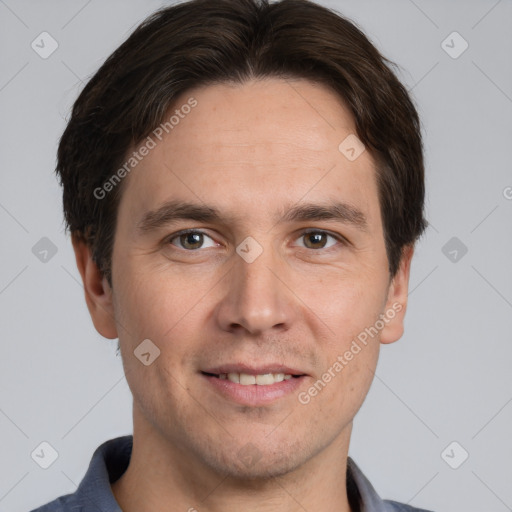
(317, 239)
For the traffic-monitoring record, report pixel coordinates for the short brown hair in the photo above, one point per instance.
(203, 42)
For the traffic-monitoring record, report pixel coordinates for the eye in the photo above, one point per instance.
(317, 239)
(191, 240)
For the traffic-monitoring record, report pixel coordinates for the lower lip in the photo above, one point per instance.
(253, 394)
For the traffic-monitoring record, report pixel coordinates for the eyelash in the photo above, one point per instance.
(339, 238)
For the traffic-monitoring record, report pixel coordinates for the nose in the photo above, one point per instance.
(256, 297)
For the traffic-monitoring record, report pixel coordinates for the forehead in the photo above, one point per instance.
(256, 145)
(265, 119)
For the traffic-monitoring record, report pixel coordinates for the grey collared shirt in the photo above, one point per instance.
(111, 459)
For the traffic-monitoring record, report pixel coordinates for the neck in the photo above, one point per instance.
(160, 475)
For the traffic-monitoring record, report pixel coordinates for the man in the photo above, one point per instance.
(243, 183)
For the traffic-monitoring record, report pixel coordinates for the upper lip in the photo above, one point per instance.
(252, 370)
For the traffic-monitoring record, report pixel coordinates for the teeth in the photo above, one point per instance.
(247, 379)
(264, 380)
(234, 377)
(261, 380)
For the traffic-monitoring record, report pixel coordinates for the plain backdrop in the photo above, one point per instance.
(448, 380)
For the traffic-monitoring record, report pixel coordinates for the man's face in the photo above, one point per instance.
(252, 153)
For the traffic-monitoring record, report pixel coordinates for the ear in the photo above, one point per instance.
(396, 303)
(98, 293)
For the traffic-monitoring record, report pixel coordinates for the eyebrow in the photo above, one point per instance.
(174, 210)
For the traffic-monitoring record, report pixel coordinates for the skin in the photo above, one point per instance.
(250, 150)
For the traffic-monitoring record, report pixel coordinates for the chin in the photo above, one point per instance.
(262, 470)
(255, 462)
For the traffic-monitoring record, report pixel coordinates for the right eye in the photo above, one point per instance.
(190, 239)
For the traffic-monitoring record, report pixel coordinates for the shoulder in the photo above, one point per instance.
(65, 503)
(94, 493)
(394, 506)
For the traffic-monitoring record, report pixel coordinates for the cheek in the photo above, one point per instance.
(349, 309)
(346, 379)
(155, 302)
(153, 308)
(347, 304)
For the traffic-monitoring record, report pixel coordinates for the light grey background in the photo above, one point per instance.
(448, 379)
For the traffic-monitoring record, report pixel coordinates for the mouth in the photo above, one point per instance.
(247, 379)
(251, 386)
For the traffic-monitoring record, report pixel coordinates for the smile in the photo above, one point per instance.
(245, 379)
(253, 390)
